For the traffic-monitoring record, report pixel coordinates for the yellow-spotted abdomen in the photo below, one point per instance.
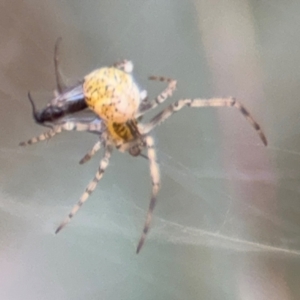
(112, 94)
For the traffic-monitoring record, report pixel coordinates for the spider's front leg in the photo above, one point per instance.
(168, 92)
(42, 137)
(155, 177)
(214, 102)
(90, 188)
(67, 126)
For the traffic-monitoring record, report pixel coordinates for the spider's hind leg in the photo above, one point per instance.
(91, 153)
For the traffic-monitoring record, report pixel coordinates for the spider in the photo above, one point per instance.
(118, 105)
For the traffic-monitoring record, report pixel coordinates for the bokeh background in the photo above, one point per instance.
(227, 223)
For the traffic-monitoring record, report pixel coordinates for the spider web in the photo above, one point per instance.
(43, 218)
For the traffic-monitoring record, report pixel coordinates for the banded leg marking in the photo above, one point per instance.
(89, 189)
(91, 153)
(42, 137)
(214, 102)
(168, 92)
(68, 126)
(155, 177)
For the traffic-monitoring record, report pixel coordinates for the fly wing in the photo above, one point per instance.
(69, 96)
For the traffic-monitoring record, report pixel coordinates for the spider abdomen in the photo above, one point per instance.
(112, 94)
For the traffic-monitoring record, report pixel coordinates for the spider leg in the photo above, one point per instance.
(168, 92)
(91, 153)
(143, 95)
(68, 126)
(214, 102)
(44, 136)
(124, 65)
(60, 85)
(90, 188)
(155, 177)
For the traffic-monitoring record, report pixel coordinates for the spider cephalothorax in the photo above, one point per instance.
(118, 105)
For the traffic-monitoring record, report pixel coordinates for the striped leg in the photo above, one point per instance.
(155, 177)
(90, 188)
(60, 85)
(214, 102)
(44, 136)
(124, 65)
(68, 126)
(168, 92)
(91, 153)
(143, 95)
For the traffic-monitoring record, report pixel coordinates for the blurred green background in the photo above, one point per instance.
(227, 223)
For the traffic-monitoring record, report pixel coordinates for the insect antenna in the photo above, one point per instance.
(36, 115)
